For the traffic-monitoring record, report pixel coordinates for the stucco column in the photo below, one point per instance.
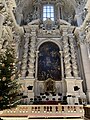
(32, 58)
(32, 55)
(1, 24)
(78, 15)
(39, 6)
(66, 52)
(24, 62)
(58, 7)
(73, 56)
(17, 39)
(62, 67)
(36, 69)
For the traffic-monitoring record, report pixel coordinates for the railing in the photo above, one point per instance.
(87, 112)
(44, 111)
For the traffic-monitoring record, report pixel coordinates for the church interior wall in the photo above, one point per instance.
(69, 31)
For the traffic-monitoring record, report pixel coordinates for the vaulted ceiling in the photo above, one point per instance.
(69, 7)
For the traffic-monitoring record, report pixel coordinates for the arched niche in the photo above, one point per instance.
(49, 62)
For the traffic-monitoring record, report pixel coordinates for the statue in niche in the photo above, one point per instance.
(35, 15)
(84, 13)
(48, 23)
(29, 18)
(49, 85)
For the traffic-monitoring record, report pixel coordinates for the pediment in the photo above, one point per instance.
(34, 22)
(63, 22)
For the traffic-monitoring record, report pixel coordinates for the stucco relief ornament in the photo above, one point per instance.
(35, 15)
(82, 36)
(1, 5)
(63, 22)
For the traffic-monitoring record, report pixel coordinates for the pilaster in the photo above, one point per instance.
(73, 94)
(86, 65)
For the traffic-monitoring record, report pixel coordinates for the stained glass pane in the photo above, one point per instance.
(44, 7)
(51, 7)
(52, 10)
(44, 10)
(52, 19)
(44, 19)
(48, 12)
(44, 15)
(52, 15)
(48, 15)
(48, 7)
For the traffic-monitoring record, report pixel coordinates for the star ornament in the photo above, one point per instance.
(3, 65)
(12, 77)
(4, 78)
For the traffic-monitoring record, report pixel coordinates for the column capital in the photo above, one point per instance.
(61, 52)
(33, 28)
(26, 35)
(37, 51)
(58, 4)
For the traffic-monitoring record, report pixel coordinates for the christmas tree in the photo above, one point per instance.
(9, 87)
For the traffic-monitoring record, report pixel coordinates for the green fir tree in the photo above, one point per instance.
(9, 87)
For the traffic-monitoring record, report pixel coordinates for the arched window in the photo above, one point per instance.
(48, 12)
(49, 65)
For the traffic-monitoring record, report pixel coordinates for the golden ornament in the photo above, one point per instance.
(4, 78)
(10, 98)
(3, 65)
(1, 97)
(13, 77)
